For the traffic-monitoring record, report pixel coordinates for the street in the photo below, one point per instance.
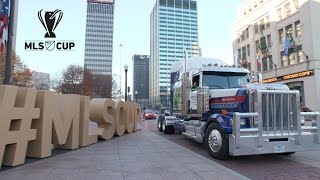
(301, 165)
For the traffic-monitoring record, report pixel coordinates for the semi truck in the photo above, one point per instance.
(232, 113)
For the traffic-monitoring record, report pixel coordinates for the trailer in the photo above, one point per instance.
(232, 114)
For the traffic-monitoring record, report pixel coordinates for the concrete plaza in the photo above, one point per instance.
(141, 155)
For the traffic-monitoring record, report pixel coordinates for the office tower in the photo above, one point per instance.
(98, 45)
(141, 79)
(173, 27)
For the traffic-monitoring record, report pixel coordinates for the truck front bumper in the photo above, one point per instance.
(253, 141)
(251, 145)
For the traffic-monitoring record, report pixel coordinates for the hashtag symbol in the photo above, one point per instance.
(16, 114)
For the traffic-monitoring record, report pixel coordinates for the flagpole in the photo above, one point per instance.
(9, 43)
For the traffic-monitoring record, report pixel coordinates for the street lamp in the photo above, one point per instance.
(136, 93)
(126, 88)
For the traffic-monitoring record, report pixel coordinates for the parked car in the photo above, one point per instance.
(149, 114)
(167, 112)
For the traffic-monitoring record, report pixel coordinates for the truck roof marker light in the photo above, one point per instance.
(215, 64)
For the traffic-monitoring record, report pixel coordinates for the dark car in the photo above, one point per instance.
(149, 114)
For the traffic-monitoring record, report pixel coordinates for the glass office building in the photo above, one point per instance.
(173, 27)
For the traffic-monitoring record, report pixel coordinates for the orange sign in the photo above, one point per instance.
(289, 76)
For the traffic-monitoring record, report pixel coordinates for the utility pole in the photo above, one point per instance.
(9, 43)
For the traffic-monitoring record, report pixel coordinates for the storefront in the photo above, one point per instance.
(304, 82)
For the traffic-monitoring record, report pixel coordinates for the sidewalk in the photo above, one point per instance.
(141, 155)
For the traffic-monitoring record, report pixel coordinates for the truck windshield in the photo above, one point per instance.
(224, 80)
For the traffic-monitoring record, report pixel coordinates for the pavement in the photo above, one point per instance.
(141, 155)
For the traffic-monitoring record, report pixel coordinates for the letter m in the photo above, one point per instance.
(28, 45)
(58, 124)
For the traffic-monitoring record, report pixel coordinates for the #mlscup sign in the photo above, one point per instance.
(32, 121)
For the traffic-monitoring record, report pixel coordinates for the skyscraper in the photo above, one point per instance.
(98, 47)
(141, 79)
(173, 27)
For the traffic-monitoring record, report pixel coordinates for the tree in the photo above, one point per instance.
(74, 80)
(102, 86)
(20, 73)
(116, 92)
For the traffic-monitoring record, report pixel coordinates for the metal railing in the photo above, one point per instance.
(278, 116)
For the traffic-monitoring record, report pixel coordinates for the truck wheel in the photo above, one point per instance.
(217, 142)
(172, 130)
(160, 125)
(165, 128)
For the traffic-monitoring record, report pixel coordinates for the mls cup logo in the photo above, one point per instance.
(50, 22)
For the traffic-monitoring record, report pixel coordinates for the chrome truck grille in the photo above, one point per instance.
(276, 125)
(279, 112)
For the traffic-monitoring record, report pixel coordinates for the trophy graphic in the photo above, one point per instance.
(50, 22)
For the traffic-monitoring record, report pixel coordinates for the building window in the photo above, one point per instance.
(300, 54)
(279, 14)
(262, 25)
(298, 85)
(269, 40)
(270, 63)
(170, 3)
(263, 44)
(267, 21)
(162, 2)
(185, 4)
(256, 28)
(257, 46)
(289, 30)
(248, 49)
(283, 59)
(247, 33)
(239, 54)
(242, 35)
(297, 28)
(244, 53)
(291, 57)
(281, 36)
(287, 9)
(178, 4)
(264, 64)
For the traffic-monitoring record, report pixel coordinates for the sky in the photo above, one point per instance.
(131, 29)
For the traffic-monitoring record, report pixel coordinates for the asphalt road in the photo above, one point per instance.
(302, 165)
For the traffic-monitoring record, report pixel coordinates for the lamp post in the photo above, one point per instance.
(136, 93)
(126, 88)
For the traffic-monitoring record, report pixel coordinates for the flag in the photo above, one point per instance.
(287, 45)
(258, 59)
(4, 24)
